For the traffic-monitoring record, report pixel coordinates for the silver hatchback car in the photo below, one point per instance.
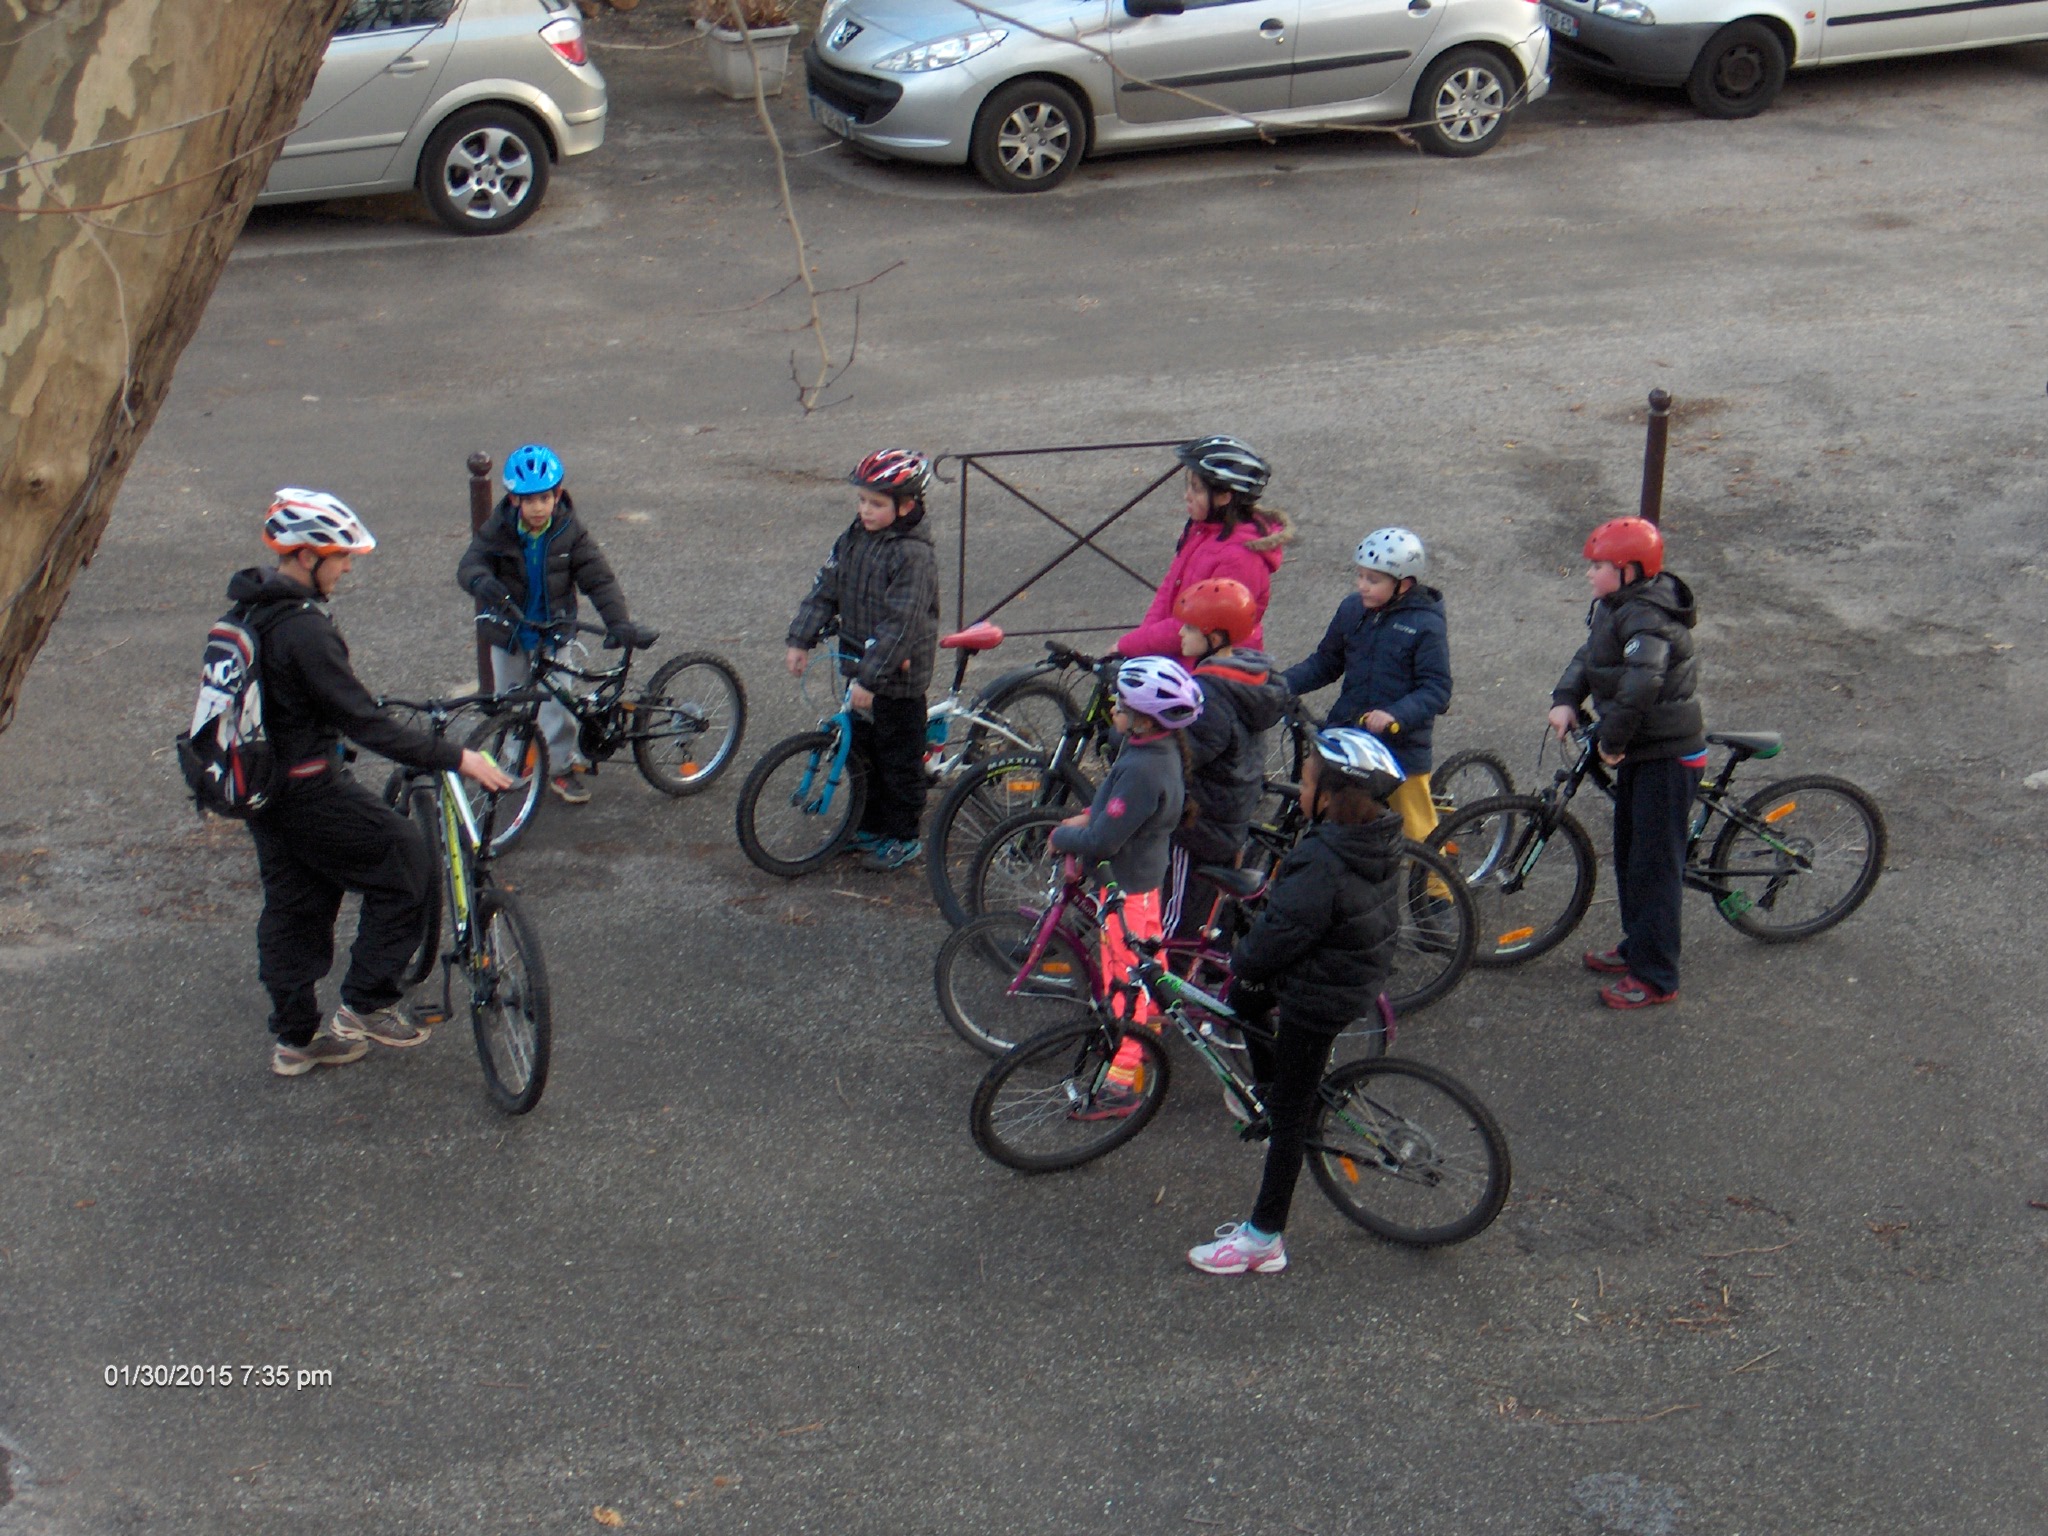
(938, 80)
(469, 101)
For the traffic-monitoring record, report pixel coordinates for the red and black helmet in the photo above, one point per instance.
(894, 471)
(1218, 603)
(1626, 540)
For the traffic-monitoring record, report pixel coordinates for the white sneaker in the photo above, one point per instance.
(1236, 1250)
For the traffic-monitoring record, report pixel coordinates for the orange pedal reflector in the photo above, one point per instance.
(1515, 936)
(1350, 1168)
(1778, 813)
(1450, 850)
(1057, 968)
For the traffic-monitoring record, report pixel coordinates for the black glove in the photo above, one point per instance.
(491, 592)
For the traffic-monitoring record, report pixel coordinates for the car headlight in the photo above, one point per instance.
(1627, 10)
(943, 54)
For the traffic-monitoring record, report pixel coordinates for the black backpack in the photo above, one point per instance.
(229, 762)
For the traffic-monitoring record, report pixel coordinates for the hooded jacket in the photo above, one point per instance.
(1323, 939)
(883, 588)
(311, 695)
(1241, 701)
(574, 564)
(1249, 552)
(1396, 658)
(1132, 817)
(1639, 670)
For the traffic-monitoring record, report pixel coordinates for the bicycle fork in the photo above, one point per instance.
(817, 805)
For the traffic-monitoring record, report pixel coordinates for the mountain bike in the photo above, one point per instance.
(492, 943)
(1792, 860)
(1401, 1148)
(684, 727)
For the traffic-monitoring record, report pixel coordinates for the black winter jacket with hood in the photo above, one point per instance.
(1241, 701)
(1323, 939)
(574, 564)
(1638, 667)
(311, 695)
(882, 587)
(1396, 658)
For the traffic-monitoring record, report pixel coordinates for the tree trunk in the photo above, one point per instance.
(97, 303)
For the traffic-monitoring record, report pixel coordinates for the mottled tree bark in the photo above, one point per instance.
(97, 303)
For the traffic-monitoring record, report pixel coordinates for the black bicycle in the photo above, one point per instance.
(1792, 860)
(684, 727)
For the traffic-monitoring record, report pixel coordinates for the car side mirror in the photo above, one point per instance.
(1154, 7)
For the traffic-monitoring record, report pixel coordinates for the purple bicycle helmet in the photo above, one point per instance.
(1161, 689)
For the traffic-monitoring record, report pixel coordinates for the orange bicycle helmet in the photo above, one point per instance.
(1218, 603)
(1628, 540)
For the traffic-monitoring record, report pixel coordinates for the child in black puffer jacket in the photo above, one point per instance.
(1320, 949)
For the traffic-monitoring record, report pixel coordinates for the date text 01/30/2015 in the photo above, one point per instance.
(296, 1378)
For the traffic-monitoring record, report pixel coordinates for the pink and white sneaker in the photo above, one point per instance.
(1237, 1250)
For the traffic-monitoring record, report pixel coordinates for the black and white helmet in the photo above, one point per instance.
(1227, 464)
(314, 520)
(1393, 552)
(1359, 757)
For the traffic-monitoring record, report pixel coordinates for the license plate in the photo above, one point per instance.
(1559, 22)
(831, 119)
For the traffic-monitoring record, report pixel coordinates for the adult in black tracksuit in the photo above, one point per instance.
(1639, 670)
(881, 585)
(1320, 949)
(326, 834)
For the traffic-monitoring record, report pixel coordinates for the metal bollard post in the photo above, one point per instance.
(479, 510)
(1653, 455)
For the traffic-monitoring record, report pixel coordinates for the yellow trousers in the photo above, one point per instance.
(1411, 802)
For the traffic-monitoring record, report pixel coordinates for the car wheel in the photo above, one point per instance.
(1739, 72)
(485, 170)
(1463, 103)
(1028, 137)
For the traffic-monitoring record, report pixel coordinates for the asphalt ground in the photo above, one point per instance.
(1770, 1264)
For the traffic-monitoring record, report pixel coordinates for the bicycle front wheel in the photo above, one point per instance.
(989, 998)
(509, 1005)
(981, 799)
(688, 723)
(1032, 711)
(1015, 868)
(791, 820)
(1051, 1103)
(1530, 888)
(1800, 856)
(1408, 1152)
(425, 811)
(514, 741)
(1439, 931)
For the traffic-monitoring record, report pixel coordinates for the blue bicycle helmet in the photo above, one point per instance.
(532, 469)
(1358, 757)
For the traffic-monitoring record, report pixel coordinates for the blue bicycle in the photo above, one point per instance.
(805, 796)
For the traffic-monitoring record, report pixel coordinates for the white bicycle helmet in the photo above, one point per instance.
(1161, 689)
(1393, 552)
(1358, 756)
(317, 521)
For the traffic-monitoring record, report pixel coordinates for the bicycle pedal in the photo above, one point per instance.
(432, 1016)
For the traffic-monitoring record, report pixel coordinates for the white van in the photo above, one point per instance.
(1731, 55)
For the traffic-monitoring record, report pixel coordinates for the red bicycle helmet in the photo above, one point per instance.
(1219, 603)
(1626, 540)
(896, 471)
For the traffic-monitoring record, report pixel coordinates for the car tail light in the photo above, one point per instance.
(565, 36)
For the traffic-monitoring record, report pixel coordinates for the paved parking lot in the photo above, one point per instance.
(1771, 1263)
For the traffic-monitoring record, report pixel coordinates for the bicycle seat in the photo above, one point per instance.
(1748, 743)
(1243, 884)
(975, 637)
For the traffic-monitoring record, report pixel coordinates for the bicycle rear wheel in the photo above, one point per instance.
(425, 811)
(1800, 856)
(509, 1005)
(1529, 889)
(688, 723)
(514, 741)
(1034, 709)
(988, 998)
(1015, 868)
(1049, 1103)
(1408, 1152)
(1466, 776)
(790, 820)
(1439, 931)
(983, 797)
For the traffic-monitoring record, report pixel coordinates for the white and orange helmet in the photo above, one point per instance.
(314, 520)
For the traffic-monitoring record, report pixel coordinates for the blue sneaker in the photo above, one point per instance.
(890, 853)
(1237, 1250)
(862, 842)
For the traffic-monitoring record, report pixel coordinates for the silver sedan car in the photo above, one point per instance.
(1022, 95)
(470, 101)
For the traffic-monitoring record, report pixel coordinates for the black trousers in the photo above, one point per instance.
(892, 747)
(1287, 1070)
(321, 840)
(1652, 811)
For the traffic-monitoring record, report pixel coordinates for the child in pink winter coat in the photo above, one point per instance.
(1227, 537)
